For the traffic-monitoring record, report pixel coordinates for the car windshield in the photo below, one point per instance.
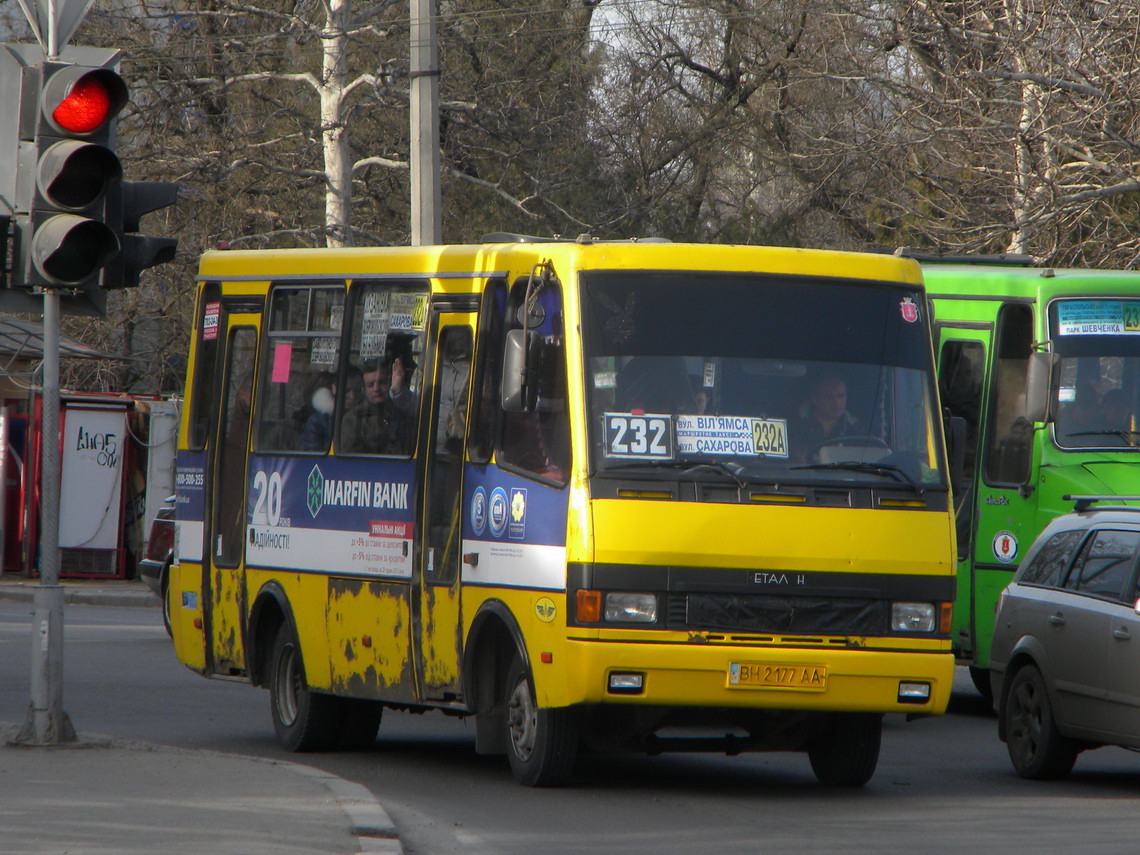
(760, 378)
(1097, 343)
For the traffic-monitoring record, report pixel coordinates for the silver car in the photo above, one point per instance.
(1065, 663)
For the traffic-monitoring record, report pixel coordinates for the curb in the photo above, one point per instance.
(370, 824)
(80, 595)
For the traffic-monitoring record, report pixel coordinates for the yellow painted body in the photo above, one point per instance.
(360, 637)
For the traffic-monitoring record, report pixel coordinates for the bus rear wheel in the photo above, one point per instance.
(848, 751)
(304, 720)
(542, 743)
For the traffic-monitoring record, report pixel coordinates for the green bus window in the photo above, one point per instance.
(1009, 444)
(961, 378)
(298, 374)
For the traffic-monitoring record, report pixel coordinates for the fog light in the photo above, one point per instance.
(914, 693)
(913, 617)
(626, 683)
(624, 608)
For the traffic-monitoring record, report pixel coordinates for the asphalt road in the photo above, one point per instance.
(943, 785)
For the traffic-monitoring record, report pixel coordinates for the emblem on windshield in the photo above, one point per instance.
(909, 310)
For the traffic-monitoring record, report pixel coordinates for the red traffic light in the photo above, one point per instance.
(81, 100)
(85, 107)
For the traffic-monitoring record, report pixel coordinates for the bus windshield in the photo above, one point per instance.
(761, 378)
(1098, 346)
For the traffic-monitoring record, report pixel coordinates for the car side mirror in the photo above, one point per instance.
(521, 354)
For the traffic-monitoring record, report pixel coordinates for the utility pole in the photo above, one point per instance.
(427, 221)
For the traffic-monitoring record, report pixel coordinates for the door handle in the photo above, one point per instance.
(1057, 620)
(1123, 634)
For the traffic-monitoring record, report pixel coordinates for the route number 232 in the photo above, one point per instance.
(644, 437)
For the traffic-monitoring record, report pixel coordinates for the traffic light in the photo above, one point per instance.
(73, 218)
(68, 167)
(125, 206)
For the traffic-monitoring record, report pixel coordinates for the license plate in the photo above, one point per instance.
(762, 675)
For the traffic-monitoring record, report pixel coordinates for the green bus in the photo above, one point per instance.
(1039, 373)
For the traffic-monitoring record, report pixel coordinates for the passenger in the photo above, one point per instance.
(375, 425)
(316, 432)
(823, 417)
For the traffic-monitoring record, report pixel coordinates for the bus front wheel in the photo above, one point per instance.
(303, 719)
(848, 752)
(542, 743)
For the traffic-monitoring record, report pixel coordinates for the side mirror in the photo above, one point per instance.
(1038, 386)
(520, 371)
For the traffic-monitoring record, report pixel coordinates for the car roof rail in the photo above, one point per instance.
(1084, 503)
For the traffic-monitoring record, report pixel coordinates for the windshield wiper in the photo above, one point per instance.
(689, 467)
(1128, 436)
(896, 472)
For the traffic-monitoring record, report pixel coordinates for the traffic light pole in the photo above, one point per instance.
(47, 723)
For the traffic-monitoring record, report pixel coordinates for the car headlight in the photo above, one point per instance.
(913, 617)
(631, 608)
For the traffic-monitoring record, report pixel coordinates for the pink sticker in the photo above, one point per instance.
(282, 359)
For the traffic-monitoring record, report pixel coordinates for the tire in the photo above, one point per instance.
(304, 720)
(542, 743)
(164, 589)
(1036, 747)
(359, 724)
(847, 752)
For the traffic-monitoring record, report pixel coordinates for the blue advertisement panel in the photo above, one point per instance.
(333, 515)
(514, 530)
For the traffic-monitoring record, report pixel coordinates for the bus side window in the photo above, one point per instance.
(206, 366)
(485, 396)
(960, 380)
(1009, 444)
(298, 375)
(385, 349)
(538, 441)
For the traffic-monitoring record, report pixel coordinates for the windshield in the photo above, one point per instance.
(1098, 372)
(760, 378)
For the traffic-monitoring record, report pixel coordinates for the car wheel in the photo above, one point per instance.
(1036, 747)
(164, 588)
(848, 752)
(542, 744)
(303, 719)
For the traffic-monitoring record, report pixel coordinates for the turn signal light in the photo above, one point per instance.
(589, 605)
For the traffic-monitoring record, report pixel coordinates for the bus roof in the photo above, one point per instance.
(999, 281)
(513, 258)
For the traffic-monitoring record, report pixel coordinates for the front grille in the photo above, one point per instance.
(760, 613)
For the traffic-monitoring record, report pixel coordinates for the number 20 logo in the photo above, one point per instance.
(269, 489)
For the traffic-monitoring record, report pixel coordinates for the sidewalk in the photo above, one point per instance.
(100, 795)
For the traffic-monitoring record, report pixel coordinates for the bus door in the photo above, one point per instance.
(436, 618)
(962, 356)
(223, 590)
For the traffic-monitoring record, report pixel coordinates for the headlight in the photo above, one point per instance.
(635, 608)
(913, 617)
